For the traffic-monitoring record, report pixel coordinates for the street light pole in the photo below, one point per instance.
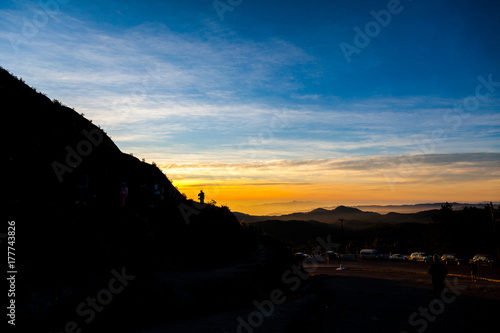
(342, 234)
(495, 231)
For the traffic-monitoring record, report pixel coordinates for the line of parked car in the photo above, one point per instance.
(373, 254)
(480, 259)
(328, 256)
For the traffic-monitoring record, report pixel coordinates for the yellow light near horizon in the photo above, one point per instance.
(339, 193)
(245, 189)
(236, 191)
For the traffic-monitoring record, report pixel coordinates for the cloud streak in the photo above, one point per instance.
(473, 166)
(273, 104)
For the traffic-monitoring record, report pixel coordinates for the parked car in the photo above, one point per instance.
(318, 258)
(301, 256)
(370, 254)
(420, 256)
(332, 255)
(398, 257)
(452, 259)
(484, 260)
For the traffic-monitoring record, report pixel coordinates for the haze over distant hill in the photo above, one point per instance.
(420, 213)
(355, 217)
(415, 208)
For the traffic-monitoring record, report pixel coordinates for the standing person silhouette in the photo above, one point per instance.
(201, 195)
(123, 194)
(438, 271)
(156, 193)
(473, 271)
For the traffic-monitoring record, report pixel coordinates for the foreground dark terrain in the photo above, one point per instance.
(103, 242)
(365, 297)
(397, 298)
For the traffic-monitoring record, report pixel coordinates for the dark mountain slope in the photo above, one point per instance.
(293, 231)
(63, 176)
(49, 146)
(62, 171)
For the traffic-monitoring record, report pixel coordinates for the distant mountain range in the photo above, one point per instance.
(356, 218)
(415, 208)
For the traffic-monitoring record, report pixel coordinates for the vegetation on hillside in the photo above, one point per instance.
(464, 232)
(84, 210)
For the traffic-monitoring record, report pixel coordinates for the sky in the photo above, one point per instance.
(279, 106)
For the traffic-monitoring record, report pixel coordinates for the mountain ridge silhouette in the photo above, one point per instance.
(64, 177)
(332, 216)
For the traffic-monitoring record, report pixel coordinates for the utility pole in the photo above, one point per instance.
(342, 235)
(495, 231)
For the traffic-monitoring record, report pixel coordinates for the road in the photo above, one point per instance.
(383, 296)
(385, 266)
(366, 297)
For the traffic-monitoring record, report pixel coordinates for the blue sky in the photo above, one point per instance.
(254, 92)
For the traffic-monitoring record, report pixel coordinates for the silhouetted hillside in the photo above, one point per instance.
(50, 147)
(64, 178)
(302, 235)
(294, 231)
(464, 232)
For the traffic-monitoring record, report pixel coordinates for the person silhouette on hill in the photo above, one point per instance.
(83, 186)
(123, 194)
(143, 194)
(156, 193)
(473, 271)
(201, 195)
(438, 271)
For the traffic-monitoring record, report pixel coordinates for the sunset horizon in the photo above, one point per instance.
(273, 108)
(251, 166)
(278, 198)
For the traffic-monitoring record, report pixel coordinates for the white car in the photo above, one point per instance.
(301, 256)
(398, 257)
(370, 254)
(420, 256)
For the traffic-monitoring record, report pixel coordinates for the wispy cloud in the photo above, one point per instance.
(477, 166)
(405, 178)
(262, 105)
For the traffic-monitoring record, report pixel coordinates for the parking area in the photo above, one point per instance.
(349, 262)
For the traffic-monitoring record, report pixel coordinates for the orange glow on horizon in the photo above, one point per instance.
(266, 199)
(284, 186)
